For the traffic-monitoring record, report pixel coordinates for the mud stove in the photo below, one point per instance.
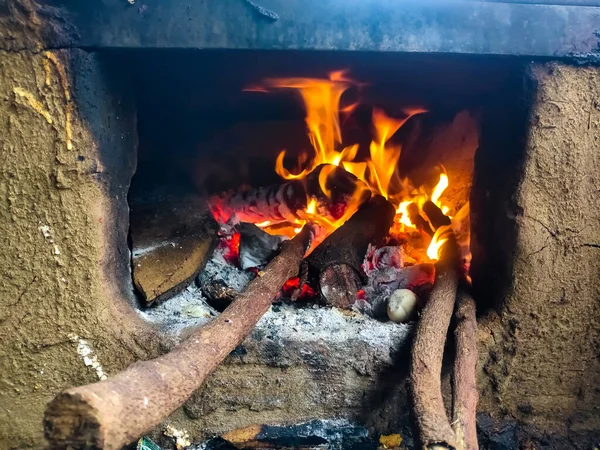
(157, 154)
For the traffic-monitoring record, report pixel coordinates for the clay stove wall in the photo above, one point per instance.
(63, 222)
(540, 251)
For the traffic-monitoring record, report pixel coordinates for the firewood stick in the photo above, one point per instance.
(464, 383)
(112, 413)
(428, 350)
(418, 220)
(336, 263)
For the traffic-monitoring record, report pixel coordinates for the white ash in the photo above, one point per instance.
(329, 325)
(186, 309)
(287, 322)
(218, 269)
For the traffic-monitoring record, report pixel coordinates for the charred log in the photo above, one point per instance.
(417, 219)
(273, 203)
(436, 217)
(336, 263)
(285, 202)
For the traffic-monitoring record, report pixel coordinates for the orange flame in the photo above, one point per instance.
(433, 251)
(379, 172)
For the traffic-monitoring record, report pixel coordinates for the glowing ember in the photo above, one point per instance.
(293, 284)
(231, 248)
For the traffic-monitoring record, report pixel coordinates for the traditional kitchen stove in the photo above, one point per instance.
(157, 154)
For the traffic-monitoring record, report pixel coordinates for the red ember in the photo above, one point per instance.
(231, 248)
(293, 284)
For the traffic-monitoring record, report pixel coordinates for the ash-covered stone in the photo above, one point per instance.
(257, 247)
(221, 281)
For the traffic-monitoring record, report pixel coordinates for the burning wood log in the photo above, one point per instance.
(464, 383)
(428, 350)
(272, 203)
(336, 262)
(112, 413)
(417, 219)
(436, 216)
(287, 201)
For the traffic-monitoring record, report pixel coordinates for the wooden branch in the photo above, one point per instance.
(338, 259)
(112, 413)
(428, 350)
(464, 382)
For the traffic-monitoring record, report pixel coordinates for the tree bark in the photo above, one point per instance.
(427, 353)
(464, 382)
(112, 413)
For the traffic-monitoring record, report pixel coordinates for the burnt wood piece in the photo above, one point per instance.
(113, 413)
(464, 380)
(344, 251)
(286, 202)
(340, 188)
(417, 219)
(172, 240)
(277, 203)
(428, 350)
(339, 285)
(435, 215)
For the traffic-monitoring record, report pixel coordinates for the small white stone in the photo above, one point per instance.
(402, 305)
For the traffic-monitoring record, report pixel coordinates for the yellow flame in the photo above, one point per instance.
(403, 212)
(433, 251)
(439, 189)
(266, 223)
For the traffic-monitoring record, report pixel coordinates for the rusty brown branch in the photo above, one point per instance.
(427, 353)
(464, 383)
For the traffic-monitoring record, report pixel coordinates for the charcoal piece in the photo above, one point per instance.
(339, 285)
(435, 215)
(221, 281)
(171, 242)
(257, 247)
(218, 294)
(382, 283)
(215, 444)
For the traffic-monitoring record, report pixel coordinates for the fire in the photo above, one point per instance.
(377, 173)
(433, 251)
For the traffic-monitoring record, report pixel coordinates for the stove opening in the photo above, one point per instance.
(239, 150)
